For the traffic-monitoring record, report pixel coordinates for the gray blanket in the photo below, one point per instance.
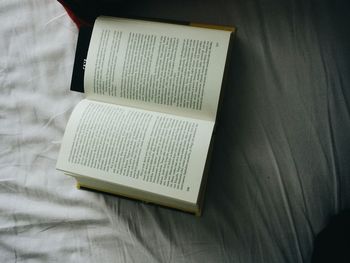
(280, 165)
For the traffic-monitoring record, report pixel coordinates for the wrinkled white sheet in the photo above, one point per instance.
(281, 159)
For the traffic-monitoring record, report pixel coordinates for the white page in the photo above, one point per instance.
(156, 66)
(154, 152)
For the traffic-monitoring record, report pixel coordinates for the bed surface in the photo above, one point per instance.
(280, 165)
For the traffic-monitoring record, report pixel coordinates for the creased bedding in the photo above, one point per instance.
(280, 165)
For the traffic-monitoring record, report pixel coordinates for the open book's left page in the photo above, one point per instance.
(161, 67)
(153, 152)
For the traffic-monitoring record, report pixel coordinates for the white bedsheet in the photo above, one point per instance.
(281, 157)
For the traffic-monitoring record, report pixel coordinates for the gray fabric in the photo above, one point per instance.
(280, 166)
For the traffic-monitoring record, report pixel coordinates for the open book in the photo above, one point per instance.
(145, 127)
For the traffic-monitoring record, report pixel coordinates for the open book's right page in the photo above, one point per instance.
(150, 151)
(161, 67)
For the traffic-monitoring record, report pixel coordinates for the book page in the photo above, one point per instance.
(169, 68)
(150, 151)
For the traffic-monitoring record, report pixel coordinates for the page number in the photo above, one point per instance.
(217, 44)
(188, 188)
